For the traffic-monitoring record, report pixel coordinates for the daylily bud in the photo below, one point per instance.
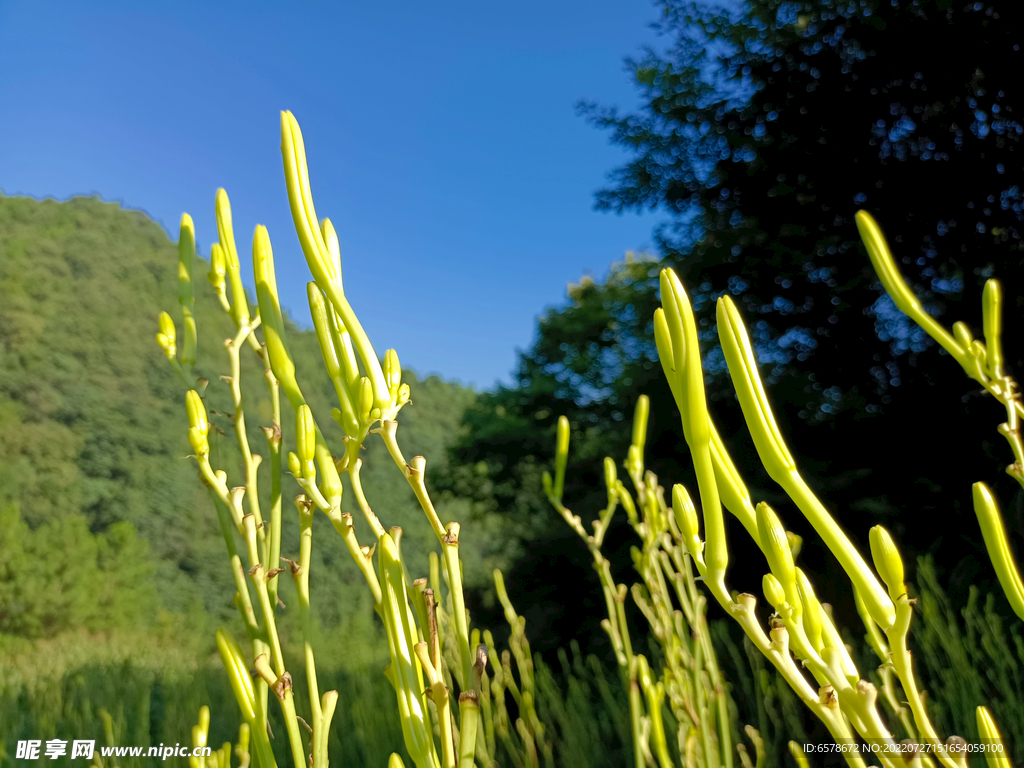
(392, 372)
(773, 591)
(166, 336)
(962, 334)
(991, 737)
(404, 394)
(294, 464)
(686, 518)
(561, 455)
(239, 302)
(333, 248)
(992, 530)
(238, 673)
(270, 314)
(186, 259)
(776, 548)
(640, 414)
(395, 761)
(198, 427)
(305, 440)
(992, 317)
(365, 399)
(887, 560)
(217, 268)
(610, 475)
(811, 613)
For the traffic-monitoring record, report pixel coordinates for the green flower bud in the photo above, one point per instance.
(610, 475)
(992, 530)
(686, 519)
(395, 761)
(365, 399)
(305, 440)
(811, 613)
(333, 248)
(166, 336)
(992, 318)
(294, 464)
(198, 427)
(238, 674)
(962, 334)
(239, 302)
(990, 736)
(217, 268)
(404, 394)
(270, 314)
(561, 455)
(887, 560)
(186, 260)
(392, 373)
(640, 414)
(775, 545)
(773, 591)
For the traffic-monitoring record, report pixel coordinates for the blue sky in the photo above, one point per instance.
(442, 140)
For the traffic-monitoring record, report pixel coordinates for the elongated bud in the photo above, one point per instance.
(239, 302)
(392, 373)
(896, 286)
(272, 318)
(238, 673)
(561, 455)
(365, 399)
(962, 334)
(186, 261)
(640, 414)
(991, 738)
(610, 479)
(776, 548)
(686, 519)
(305, 440)
(333, 248)
(992, 530)
(811, 613)
(217, 268)
(887, 560)
(166, 336)
(773, 591)
(395, 761)
(294, 464)
(321, 324)
(198, 427)
(992, 318)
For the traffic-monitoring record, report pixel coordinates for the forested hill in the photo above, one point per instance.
(104, 522)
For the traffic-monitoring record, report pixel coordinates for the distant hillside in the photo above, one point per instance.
(103, 523)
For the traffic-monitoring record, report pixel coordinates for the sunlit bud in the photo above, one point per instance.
(811, 613)
(992, 739)
(610, 475)
(994, 533)
(321, 324)
(217, 268)
(666, 354)
(186, 260)
(166, 336)
(962, 334)
(365, 398)
(305, 439)
(404, 394)
(198, 428)
(640, 414)
(798, 755)
(627, 503)
(395, 761)
(239, 302)
(776, 547)
(294, 464)
(561, 455)
(392, 373)
(992, 317)
(887, 560)
(773, 591)
(270, 314)
(333, 248)
(686, 518)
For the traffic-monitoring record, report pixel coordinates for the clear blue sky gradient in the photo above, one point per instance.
(442, 139)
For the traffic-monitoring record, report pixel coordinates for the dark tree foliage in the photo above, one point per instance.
(766, 126)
